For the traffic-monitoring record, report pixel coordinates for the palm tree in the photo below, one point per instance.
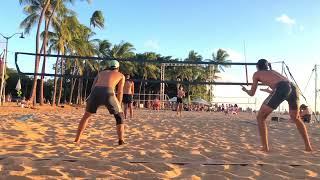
(123, 50)
(194, 56)
(82, 46)
(65, 30)
(38, 9)
(102, 47)
(220, 57)
(97, 19)
(147, 70)
(192, 73)
(57, 8)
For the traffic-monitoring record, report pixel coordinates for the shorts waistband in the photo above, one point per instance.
(283, 82)
(107, 90)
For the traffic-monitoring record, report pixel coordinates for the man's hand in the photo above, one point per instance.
(244, 89)
(247, 91)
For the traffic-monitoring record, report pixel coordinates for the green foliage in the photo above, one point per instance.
(68, 36)
(97, 19)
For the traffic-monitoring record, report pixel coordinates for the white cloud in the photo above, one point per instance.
(285, 19)
(152, 44)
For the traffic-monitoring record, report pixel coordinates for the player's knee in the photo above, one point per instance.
(119, 118)
(261, 117)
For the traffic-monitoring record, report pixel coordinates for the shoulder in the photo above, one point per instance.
(121, 75)
(257, 74)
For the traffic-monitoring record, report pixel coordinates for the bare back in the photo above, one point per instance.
(109, 79)
(128, 87)
(269, 78)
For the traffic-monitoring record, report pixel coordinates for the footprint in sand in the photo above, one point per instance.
(311, 173)
(142, 152)
(176, 172)
(158, 134)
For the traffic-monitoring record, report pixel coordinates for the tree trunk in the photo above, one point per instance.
(61, 81)
(81, 89)
(44, 51)
(86, 87)
(55, 82)
(189, 97)
(144, 93)
(79, 92)
(140, 93)
(37, 59)
(73, 84)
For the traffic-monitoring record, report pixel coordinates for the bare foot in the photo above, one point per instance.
(77, 142)
(308, 149)
(121, 142)
(265, 149)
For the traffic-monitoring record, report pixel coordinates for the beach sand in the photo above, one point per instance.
(38, 144)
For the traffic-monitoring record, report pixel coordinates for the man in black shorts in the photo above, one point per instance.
(128, 91)
(305, 114)
(102, 93)
(281, 89)
(180, 95)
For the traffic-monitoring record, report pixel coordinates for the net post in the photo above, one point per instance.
(316, 89)
(162, 86)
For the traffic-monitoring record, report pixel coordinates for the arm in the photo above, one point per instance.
(94, 82)
(254, 86)
(120, 89)
(132, 88)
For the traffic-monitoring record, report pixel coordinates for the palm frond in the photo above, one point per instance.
(97, 19)
(29, 22)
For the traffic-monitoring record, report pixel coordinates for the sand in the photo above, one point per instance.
(38, 144)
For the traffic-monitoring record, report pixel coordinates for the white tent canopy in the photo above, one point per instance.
(200, 101)
(174, 99)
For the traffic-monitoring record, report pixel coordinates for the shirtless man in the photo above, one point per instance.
(156, 104)
(281, 89)
(305, 113)
(181, 94)
(128, 91)
(102, 93)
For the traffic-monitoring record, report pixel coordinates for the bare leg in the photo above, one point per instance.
(180, 109)
(120, 132)
(131, 110)
(82, 126)
(125, 110)
(262, 116)
(178, 105)
(301, 128)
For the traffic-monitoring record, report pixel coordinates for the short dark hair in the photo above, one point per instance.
(113, 68)
(263, 64)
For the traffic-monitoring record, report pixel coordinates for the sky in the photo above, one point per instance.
(278, 30)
